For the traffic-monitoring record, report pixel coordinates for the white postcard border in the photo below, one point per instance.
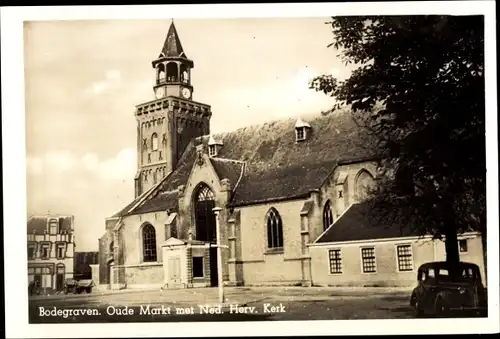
(14, 169)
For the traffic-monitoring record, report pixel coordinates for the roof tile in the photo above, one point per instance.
(276, 166)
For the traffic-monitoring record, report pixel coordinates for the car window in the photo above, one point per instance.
(443, 271)
(431, 273)
(469, 273)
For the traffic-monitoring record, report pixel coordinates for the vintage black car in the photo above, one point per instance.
(445, 292)
(78, 286)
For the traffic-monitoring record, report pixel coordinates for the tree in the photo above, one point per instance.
(418, 87)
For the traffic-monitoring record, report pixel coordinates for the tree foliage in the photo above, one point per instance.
(419, 88)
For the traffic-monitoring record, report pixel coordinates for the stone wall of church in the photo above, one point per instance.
(131, 235)
(261, 266)
(154, 147)
(343, 187)
(105, 256)
(144, 275)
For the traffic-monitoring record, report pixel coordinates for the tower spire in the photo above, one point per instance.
(172, 46)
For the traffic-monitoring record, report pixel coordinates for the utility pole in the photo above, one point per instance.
(219, 246)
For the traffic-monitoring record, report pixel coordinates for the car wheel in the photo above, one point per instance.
(442, 309)
(417, 309)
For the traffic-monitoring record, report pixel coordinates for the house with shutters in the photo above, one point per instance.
(50, 252)
(281, 187)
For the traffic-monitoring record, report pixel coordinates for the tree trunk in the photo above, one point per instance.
(451, 246)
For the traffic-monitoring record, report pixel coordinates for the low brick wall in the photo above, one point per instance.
(144, 274)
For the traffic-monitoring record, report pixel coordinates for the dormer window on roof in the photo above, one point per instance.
(214, 145)
(301, 130)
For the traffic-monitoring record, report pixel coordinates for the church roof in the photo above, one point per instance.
(228, 169)
(172, 46)
(38, 224)
(265, 163)
(359, 222)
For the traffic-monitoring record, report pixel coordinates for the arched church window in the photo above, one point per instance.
(364, 184)
(327, 215)
(111, 247)
(172, 72)
(274, 229)
(149, 243)
(154, 142)
(204, 194)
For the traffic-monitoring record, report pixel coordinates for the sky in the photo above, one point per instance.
(84, 78)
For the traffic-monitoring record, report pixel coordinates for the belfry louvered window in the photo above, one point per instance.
(149, 243)
(274, 229)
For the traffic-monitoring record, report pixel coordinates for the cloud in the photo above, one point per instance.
(120, 167)
(90, 161)
(53, 161)
(111, 80)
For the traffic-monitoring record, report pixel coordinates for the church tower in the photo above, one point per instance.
(167, 124)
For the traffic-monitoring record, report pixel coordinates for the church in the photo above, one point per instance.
(274, 191)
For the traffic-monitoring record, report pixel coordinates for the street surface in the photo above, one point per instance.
(242, 304)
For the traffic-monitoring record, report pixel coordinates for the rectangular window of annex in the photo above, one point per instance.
(405, 258)
(368, 260)
(335, 260)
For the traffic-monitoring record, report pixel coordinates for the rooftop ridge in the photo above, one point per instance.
(306, 116)
(229, 160)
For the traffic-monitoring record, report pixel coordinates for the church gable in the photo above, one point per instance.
(202, 171)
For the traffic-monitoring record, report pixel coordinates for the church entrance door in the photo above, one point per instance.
(204, 214)
(206, 226)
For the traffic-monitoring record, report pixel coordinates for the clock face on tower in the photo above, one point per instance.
(186, 93)
(160, 92)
